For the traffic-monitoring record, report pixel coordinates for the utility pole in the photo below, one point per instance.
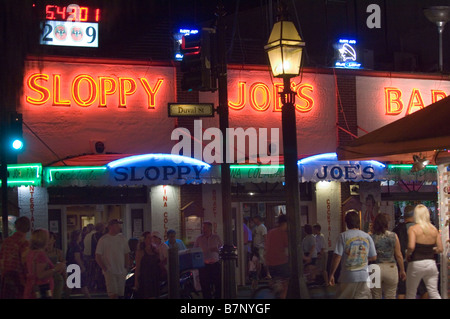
(4, 174)
(228, 253)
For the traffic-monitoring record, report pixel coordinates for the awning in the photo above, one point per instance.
(136, 170)
(326, 167)
(425, 132)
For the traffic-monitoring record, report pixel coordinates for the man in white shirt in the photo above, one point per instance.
(112, 257)
(88, 258)
(354, 249)
(322, 253)
(259, 237)
(210, 275)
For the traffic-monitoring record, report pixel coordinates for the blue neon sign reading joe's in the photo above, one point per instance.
(326, 167)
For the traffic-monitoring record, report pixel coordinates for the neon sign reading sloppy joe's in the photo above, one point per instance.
(85, 90)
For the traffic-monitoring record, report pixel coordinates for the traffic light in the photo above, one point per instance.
(15, 142)
(198, 64)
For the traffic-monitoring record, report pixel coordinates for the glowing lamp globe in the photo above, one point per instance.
(17, 144)
(284, 49)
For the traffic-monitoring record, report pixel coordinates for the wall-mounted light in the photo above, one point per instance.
(419, 163)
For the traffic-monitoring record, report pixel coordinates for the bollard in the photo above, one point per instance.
(173, 275)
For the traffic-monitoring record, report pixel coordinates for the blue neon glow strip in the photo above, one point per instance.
(332, 157)
(172, 157)
(376, 163)
(319, 157)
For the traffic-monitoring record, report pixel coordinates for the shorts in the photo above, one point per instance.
(280, 271)
(115, 284)
(353, 290)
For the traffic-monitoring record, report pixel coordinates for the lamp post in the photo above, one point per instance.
(439, 15)
(284, 49)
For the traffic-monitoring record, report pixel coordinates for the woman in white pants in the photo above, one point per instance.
(388, 256)
(424, 241)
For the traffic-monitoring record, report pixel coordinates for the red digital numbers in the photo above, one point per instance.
(72, 12)
(61, 12)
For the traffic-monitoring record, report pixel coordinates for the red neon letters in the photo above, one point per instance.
(86, 90)
(260, 97)
(394, 104)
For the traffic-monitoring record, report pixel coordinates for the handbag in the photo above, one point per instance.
(42, 291)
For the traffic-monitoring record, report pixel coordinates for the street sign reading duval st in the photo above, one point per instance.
(188, 110)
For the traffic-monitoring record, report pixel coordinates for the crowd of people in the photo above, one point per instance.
(405, 258)
(35, 268)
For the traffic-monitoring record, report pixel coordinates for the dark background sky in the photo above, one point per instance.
(406, 41)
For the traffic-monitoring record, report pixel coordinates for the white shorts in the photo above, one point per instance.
(115, 284)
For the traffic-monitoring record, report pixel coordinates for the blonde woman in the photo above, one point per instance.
(424, 241)
(40, 269)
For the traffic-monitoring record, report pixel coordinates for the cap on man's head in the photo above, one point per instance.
(115, 222)
(157, 234)
(409, 211)
(207, 222)
(171, 231)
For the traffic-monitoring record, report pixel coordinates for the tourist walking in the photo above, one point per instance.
(277, 258)
(211, 274)
(40, 269)
(13, 254)
(424, 241)
(389, 256)
(259, 237)
(112, 257)
(354, 249)
(56, 256)
(74, 255)
(148, 269)
(402, 233)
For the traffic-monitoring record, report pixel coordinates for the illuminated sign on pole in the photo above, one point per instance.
(347, 54)
(70, 26)
(178, 36)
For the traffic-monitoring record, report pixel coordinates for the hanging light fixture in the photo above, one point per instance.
(419, 163)
(284, 49)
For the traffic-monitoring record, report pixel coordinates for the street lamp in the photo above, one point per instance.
(284, 49)
(439, 15)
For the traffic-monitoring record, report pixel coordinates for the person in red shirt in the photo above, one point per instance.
(277, 257)
(12, 261)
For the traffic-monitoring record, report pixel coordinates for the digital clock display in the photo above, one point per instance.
(73, 13)
(71, 25)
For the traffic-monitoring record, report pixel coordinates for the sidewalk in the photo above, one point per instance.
(243, 292)
(315, 292)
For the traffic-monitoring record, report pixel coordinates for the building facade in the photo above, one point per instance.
(101, 145)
